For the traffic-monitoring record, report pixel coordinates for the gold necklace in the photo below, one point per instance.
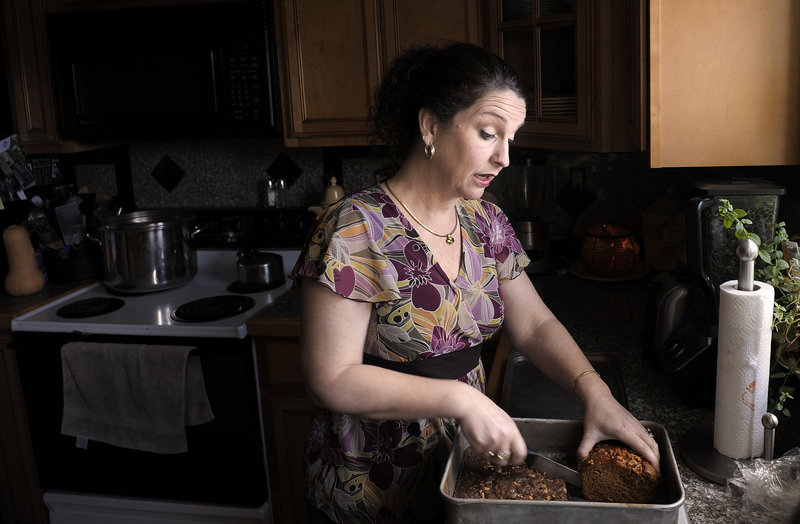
(447, 237)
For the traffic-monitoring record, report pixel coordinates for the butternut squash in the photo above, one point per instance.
(24, 276)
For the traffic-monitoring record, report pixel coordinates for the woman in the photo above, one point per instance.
(402, 282)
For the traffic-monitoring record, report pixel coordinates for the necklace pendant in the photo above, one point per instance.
(449, 239)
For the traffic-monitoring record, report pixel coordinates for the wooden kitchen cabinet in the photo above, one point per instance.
(581, 62)
(286, 410)
(20, 496)
(23, 23)
(28, 71)
(724, 83)
(332, 55)
(64, 6)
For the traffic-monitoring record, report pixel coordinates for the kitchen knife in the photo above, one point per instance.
(539, 461)
(70, 222)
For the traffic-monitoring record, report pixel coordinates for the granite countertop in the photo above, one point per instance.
(610, 317)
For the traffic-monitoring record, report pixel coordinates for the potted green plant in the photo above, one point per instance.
(780, 268)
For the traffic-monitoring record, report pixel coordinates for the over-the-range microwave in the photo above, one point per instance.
(185, 71)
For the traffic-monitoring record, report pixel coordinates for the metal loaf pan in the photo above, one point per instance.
(559, 440)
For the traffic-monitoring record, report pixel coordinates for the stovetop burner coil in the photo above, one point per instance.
(213, 308)
(90, 307)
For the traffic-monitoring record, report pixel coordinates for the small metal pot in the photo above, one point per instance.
(147, 251)
(260, 269)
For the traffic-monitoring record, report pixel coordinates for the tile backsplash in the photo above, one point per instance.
(614, 188)
(223, 173)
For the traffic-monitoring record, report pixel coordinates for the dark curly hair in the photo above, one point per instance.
(444, 79)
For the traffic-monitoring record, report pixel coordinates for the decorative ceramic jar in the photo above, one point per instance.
(609, 250)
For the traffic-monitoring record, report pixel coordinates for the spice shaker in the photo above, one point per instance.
(267, 192)
(280, 193)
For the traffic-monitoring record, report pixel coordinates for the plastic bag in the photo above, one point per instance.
(773, 485)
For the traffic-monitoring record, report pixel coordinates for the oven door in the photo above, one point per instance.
(225, 463)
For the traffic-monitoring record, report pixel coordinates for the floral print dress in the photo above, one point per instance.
(363, 248)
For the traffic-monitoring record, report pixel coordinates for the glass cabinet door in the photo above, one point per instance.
(545, 41)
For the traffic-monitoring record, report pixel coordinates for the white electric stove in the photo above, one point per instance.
(223, 477)
(154, 314)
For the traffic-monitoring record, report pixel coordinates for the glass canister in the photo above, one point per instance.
(711, 250)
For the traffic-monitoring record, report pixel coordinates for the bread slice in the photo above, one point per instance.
(613, 472)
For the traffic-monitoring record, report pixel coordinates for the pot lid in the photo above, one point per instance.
(738, 186)
(146, 219)
(250, 255)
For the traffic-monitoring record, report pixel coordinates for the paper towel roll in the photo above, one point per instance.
(743, 356)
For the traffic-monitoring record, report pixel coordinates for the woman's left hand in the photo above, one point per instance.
(607, 419)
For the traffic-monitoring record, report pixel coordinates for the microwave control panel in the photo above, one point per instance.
(245, 82)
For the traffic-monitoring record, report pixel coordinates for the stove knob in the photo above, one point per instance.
(237, 225)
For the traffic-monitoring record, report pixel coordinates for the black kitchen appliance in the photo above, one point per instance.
(683, 305)
(188, 71)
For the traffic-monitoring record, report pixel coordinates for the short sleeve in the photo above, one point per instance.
(343, 253)
(496, 237)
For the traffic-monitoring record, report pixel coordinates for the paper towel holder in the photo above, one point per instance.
(697, 444)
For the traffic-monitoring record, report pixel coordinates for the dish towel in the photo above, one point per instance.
(136, 396)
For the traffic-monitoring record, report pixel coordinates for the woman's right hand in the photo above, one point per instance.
(488, 428)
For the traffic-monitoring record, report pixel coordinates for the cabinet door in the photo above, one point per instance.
(580, 63)
(328, 56)
(724, 83)
(290, 417)
(20, 496)
(415, 22)
(64, 6)
(29, 73)
(332, 56)
(287, 411)
(547, 44)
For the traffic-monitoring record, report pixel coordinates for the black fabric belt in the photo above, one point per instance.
(450, 365)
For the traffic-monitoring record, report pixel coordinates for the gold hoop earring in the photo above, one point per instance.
(429, 151)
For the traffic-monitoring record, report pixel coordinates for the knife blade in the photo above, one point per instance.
(539, 461)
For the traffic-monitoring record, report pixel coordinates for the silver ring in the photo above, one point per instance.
(649, 433)
(503, 455)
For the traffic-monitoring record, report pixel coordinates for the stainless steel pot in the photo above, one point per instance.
(260, 269)
(149, 250)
